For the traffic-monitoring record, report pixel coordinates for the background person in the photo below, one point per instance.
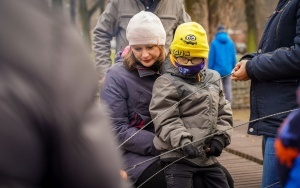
(114, 20)
(222, 58)
(52, 134)
(274, 72)
(191, 119)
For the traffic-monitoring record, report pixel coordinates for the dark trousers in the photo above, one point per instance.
(181, 175)
(159, 180)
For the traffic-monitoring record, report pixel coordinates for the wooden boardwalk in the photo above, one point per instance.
(245, 173)
(243, 157)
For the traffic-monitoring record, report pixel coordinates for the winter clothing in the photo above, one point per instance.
(275, 69)
(190, 70)
(222, 58)
(188, 108)
(190, 41)
(179, 175)
(171, 88)
(294, 180)
(145, 28)
(222, 54)
(216, 148)
(275, 74)
(114, 20)
(127, 90)
(287, 147)
(52, 133)
(190, 151)
(158, 180)
(128, 94)
(148, 3)
(187, 122)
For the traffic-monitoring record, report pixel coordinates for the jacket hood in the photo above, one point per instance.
(222, 37)
(118, 57)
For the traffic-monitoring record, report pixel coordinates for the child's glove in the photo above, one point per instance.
(215, 148)
(190, 151)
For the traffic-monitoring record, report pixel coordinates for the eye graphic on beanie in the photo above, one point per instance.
(190, 39)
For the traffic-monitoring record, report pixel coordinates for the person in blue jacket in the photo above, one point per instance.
(274, 71)
(222, 58)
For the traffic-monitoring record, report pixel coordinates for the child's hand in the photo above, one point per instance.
(190, 151)
(215, 148)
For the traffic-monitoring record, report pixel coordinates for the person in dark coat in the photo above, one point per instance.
(222, 58)
(52, 132)
(274, 71)
(127, 91)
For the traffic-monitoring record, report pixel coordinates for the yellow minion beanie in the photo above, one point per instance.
(190, 40)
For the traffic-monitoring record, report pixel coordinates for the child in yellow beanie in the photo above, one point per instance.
(199, 124)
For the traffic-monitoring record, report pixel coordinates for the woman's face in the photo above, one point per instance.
(147, 55)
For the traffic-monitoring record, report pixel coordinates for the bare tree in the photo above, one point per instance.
(57, 4)
(252, 25)
(198, 10)
(214, 17)
(72, 10)
(264, 10)
(220, 12)
(210, 13)
(102, 4)
(86, 14)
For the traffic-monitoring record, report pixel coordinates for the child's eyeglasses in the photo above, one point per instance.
(194, 61)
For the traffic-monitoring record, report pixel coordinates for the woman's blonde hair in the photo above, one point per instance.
(130, 60)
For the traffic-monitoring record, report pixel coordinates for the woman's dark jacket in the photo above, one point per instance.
(128, 94)
(275, 69)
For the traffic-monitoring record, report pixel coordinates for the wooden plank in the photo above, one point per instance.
(245, 173)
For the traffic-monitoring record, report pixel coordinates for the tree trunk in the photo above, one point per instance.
(220, 12)
(198, 10)
(252, 25)
(57, 4)
(85, 15)
(214, 16)
(72, 11)
(264, 11)
(102, 4)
